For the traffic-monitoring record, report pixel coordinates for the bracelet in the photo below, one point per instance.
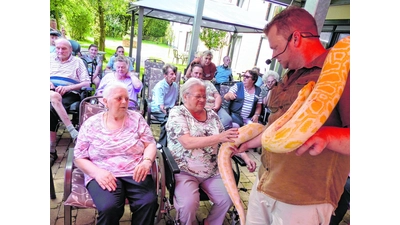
(257, 114)
(147, 158)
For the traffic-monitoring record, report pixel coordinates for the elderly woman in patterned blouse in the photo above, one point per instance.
(194, 133)
(115, 150)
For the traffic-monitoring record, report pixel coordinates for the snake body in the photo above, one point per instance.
(305, 116)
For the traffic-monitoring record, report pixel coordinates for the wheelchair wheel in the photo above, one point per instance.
(160, 187)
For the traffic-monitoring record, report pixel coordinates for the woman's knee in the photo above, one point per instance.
(189, 204)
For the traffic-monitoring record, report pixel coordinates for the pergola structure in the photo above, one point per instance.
(216, 15)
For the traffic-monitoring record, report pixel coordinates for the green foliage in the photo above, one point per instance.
(213, 39)
(79, 19)
(155, 29)
(169, 35)
(115, 25)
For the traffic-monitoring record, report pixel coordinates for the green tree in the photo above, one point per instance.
(79, 20)
(154, 29)
(213, 39)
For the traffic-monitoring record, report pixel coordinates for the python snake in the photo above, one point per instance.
(310, 110)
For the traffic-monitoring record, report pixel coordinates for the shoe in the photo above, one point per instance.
(53, 157)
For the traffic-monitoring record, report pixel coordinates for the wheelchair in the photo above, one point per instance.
(170, 169)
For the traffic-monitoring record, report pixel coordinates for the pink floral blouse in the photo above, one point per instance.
(116, 151)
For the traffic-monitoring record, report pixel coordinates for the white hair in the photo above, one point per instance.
(270, 73)
(111, 87)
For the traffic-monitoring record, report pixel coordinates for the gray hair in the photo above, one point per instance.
(111, 87)
(187, 86)
(270, 73)
(121, 58)
(63, 40)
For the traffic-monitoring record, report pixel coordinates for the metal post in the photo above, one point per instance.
(139, 39)
(196, 29)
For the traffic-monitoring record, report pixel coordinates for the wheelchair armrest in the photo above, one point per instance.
(173, 166)
(69, 166)
(86, 89)
(239, 160)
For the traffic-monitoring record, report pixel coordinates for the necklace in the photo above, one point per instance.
(117, 130)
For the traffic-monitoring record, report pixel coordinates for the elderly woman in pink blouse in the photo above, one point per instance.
(115, 150)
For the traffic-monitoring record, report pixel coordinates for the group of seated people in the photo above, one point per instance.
(193, 131)
(69, 74)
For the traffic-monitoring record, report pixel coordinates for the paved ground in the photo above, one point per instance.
(88, 216)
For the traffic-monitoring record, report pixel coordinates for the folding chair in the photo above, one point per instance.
(154, 77)
(224, 88)
(148, 64)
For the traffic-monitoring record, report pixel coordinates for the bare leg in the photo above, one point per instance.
(56, 102)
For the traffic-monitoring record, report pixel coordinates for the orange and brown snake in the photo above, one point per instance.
(305, 116)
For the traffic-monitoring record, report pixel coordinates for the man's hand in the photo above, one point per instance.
(63, 89)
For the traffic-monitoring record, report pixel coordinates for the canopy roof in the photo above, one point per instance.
(217, 15)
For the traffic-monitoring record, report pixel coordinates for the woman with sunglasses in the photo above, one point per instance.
(244, 100)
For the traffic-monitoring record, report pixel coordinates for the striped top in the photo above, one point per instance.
(247, 102)
(73, 68)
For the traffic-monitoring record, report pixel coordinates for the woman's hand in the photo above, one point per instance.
(230, 96)
(229, 135)
(106, 180)
(141, 170)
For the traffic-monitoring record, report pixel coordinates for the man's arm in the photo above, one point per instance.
(336, 139)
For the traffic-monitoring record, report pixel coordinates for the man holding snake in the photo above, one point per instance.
(300, 187)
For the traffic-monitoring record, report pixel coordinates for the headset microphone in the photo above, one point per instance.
(268, 61)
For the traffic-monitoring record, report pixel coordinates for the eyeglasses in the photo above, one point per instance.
(198, 97)
(246, 77)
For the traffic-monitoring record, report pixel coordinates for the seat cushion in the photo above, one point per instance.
(79, 196)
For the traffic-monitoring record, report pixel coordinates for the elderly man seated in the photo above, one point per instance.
(68, 75)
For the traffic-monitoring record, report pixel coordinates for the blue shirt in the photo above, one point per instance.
(259, 81)
(111, 64)
(164, 94)
(222, 74)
